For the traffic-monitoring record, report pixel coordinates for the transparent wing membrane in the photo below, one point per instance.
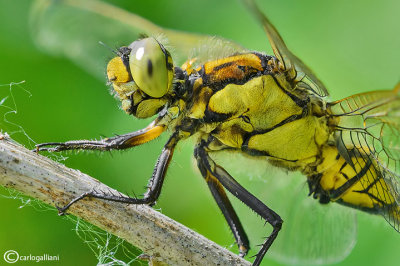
(213, 48)
(297, 70)
(369, 133)
(329, 230)
(73, 29)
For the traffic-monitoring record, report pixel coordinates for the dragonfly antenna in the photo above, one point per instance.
(115, 51)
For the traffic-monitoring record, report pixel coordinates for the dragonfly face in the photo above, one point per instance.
(142, 76)
(270, 107)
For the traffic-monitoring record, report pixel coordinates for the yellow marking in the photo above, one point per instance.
(291, 141)
(260, 99)
(231, 132)
(201, 99)
(149, 107)
(137, 97)
(147, 136)
(333, 178)
(188, 66)
(116, 71)
(125, 90)
(173, 111)
(227, 68)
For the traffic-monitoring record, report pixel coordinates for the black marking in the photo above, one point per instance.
(337, 157)
(169, 66)
(372, 210)
(372, 197)
(124, 53)
(220, 84)
(245, 118)
(149, 67)
(188, 125)
(313, 183)
(178, 72)
(167, 55)
(210, 116)
(339, 191)
(264, 62)
(182, 87)
(133, 109)
(202, 73)
(343, 166)
(368, 188)
(345, 176)
(246, 138)
(243, 68)
(324, 199)
(283, 122)
(254, 152)
(179, 89)
(221, 66)
(160, 109)
(300, 102)
(248, 69)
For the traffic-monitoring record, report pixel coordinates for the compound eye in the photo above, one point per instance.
(151, 67)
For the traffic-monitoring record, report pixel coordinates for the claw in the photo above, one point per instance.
(61, 211)
(243, 251)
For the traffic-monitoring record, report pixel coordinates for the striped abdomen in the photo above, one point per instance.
(356, 182)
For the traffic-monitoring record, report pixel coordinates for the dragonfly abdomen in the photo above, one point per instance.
(354, 182)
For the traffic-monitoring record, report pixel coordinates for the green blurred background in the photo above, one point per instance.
(353, 46)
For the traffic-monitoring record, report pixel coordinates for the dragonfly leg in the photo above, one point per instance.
(115, 143)
(218, 192)
(153, 188)
(212, 171)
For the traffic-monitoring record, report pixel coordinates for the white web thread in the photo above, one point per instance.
(104, 245)
(9, 108)
(12, 109)
(25, 200)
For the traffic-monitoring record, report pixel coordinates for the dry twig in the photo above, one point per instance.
(155, 234)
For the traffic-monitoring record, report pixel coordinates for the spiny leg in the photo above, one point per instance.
(226, 207)
(154, 185)
(120, 142)
(216, 171)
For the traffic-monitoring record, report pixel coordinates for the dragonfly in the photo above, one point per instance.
(230, 99)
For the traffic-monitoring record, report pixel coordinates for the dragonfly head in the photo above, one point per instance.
(142, 76)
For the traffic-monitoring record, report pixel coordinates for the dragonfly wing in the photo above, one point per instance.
(74, 28)
(329, 230)
(214, 48)
(296, 69)
(369, 126)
